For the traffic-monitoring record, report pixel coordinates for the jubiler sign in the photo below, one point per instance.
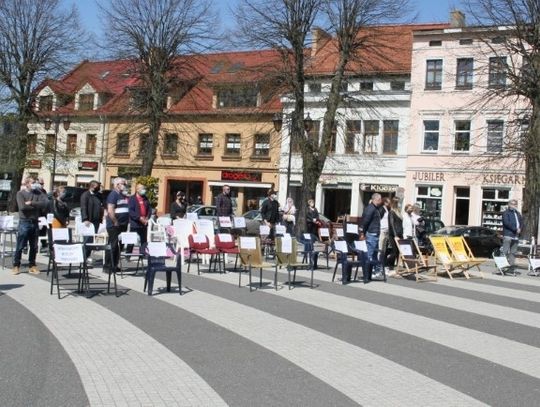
(504, 179)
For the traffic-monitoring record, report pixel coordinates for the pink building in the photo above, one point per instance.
(460, 165)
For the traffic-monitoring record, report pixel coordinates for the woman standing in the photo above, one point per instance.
(312, 218)
(179, 207)
(60, 209)
(395, 229)
(289, 215)
(408, 222)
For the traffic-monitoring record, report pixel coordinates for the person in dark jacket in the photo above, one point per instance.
(312, 218)
(270, 212)
(371, 227)
(224, 203)
(395, 229)
(59, 208)
(179, 206)
(139, 214)
(512, 227)
(91, 211)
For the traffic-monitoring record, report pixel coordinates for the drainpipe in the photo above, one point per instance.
(103, 158)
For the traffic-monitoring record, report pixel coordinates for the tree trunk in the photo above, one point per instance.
(531, 191)
(21, 146)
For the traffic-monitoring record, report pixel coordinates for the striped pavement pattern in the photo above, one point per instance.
(447, 343)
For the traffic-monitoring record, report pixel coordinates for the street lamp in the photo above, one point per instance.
(278, 124)
(47, 124)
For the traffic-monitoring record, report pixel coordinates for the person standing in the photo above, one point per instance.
(43, 229)
(270, 212)
(371, 228)
(179, 207)
(384, 210)
(139, 214)
(117, 219)
(289, 215)
(224, 203)
(59, 208)
(395, 229)
(312, 218)
(31, 203)
(91, 211)
(512, 226)
(408, 222)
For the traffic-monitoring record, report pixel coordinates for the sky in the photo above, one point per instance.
(428, 11)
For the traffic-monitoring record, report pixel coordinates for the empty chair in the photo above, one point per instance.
(57, 235)
(251, 257)
(287, 256)
(182, 229)
(462, 252)
(130, 241)
(157, 254)
(413, 262)
(68, 255)
(502, 264)
(343, 259)
(226, 245)
(533, 260)
(447, 260)
(199, 244)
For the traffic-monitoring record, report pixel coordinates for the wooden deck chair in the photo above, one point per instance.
(501, 263)
(287, 256)
(413, 262)
(250, 257)
(462, 252)
(444, 256)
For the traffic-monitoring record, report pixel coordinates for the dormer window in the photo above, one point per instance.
(239, 96)
(86, 101)
(46, 103)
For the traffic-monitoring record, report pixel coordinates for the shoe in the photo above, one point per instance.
(34, 270)
(15, 270)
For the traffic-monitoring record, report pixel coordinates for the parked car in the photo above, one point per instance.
(480, 239)
(205, 212)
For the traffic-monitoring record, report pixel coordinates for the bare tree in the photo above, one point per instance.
(37, 38)
(520, 42)
(153, 34)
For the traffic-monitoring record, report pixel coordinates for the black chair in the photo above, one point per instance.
(106, 247)
(57, 235)
(343, 253)
(157, 254)
(66, 255)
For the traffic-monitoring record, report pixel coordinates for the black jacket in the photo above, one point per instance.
(91, 207)
(509, 223)
(178, 211)
(60, 210)
(224, 205)
(371, 219)
(395, 225)
(270, 211)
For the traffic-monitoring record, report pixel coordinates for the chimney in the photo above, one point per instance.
(457, 19)
(318, 38)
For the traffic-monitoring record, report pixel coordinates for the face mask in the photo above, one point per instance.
(125, 192)
(142, 192)
(36, 186)
(274, 196)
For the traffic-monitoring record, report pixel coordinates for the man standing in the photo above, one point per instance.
(139, 214)
(117, 219)
(384, 210)
(512, 227)
(43, 229)
(371, 228)
(224, 202)
(91, 211)
(270, 212)
(31, 202)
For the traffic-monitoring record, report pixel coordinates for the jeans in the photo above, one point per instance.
(372, 242)
(28, 232)
(509, 249)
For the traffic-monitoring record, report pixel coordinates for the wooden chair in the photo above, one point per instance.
(462, 252)
(287, 256)
(444, 256)
(413, 262)
(250, 257)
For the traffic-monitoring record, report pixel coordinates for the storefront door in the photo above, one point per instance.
(337, 202)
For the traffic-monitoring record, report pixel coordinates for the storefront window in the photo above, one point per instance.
(429, 199)
(494, 203)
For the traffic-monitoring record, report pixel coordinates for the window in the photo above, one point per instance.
(314, 87)
(435, 43)
(466, 41)
(71, 144)
(354, 130)
(91, 144)
(31, 144)
(464, 73)
(366, 85)
(206, 144)
(262, 145)
(371, 132)
(429, 199)
(86, 101)
(495, 136)
(170, 144)
(122, 144)
(434, 73)
(431, 135)
(462, 139)
(49, 143)
(232, 144)
(390, 136)
(237, 97)
(497, 72)
(143, 144)
(397, 85)
(46, 103)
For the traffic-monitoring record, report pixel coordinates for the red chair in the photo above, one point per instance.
(226, 245)
(200, 244)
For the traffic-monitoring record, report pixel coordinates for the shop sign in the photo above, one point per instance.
(504, 179)
(428, 176)
(88, 165)
(33, 164)
(240, 176)
(379, 187)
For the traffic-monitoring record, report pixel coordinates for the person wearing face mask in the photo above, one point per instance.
(59, 209)
(270, 212)
(512, 226)
(91, 211)
(312, 218)
(179, 207)
(31, 203)
(139, 214)
(117, 219)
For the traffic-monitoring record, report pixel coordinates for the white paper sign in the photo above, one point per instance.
(406, 249)
(199, 238)
(129, 238)
(341, 246)
(352, 228)
(157, 249)
(43, 222)
(360, 245)
(339, 232)
(67, 254)
(6, 222)
(248, 243)
(535, 263)
(84, 230)
(286, 245)
(50, 218)
(225, 222)
(307, 237)
(102, 228)
(60, 234)
(280, 230)
(324, 232)
(192, 216)
(264, 230)
(225, 237)
(239, 222)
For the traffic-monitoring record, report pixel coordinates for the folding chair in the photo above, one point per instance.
(130, 239)
(342, 252)
(501, 263)
(8, 233)
(287, 256)
(413, 262)
(226, 245)
(324, 238)
(157, 254)
(534, 261)
(462, 252)
(251, 256)
(57, 235)
(444, 256)
(66, 255)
